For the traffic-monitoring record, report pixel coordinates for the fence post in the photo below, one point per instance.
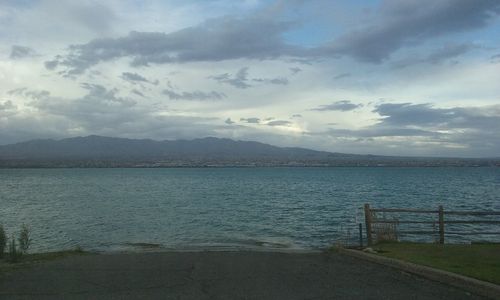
(360, 235)
(441, 225)
(368, 223)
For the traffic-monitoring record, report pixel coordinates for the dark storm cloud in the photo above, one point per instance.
(51, 64)
(18, 91)
(295, 70)
(379, 131)
(403, 23)
(239, 80)
(100, 94)
(196, 95)
(251, 120)
(261, 36)
(19, 52)
(7, 105)
(426, 116)
(133, 77)
(405, 114)
(214, 40)
(472, 129)
(449, 51)
(7, 110)
(440, 55)
(138, 93)
(279, 123)
(344, 105)
(343, 75)
(495, 58)
(29, 93)
(278, 81)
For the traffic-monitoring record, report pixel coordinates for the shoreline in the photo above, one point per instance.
(213, 249)
(308, 166)
(155, 249)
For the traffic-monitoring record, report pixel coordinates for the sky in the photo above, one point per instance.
(389, 77)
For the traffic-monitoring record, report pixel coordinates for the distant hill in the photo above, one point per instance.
(98, 147)
(98, 151)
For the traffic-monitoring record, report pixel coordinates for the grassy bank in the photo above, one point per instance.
(481, 261)
(31, 259)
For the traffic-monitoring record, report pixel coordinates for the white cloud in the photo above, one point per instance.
(240, 63)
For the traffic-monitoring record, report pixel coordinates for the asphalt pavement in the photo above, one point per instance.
(219, 275)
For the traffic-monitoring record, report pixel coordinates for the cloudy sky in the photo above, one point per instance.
(392, 77)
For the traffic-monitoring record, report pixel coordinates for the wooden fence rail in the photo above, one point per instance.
(439, 213)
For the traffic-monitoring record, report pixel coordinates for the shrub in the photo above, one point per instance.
(24, 239)
(3, 241)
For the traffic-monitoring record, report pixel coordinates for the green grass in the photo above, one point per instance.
(31, 259)
(481, 261)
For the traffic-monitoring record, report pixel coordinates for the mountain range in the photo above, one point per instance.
(99, 151)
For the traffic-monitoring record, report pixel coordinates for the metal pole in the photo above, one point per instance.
(441, 225)
(368, 223)
(360, 235)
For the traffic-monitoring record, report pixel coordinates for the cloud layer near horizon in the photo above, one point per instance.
(395, 77)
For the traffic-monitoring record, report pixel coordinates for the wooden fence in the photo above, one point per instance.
(440, 213)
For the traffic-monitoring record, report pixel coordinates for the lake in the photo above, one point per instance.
(221, 208)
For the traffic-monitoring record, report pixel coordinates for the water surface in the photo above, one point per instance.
(195, 208)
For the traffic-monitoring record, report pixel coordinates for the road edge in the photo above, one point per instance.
(476, 286)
